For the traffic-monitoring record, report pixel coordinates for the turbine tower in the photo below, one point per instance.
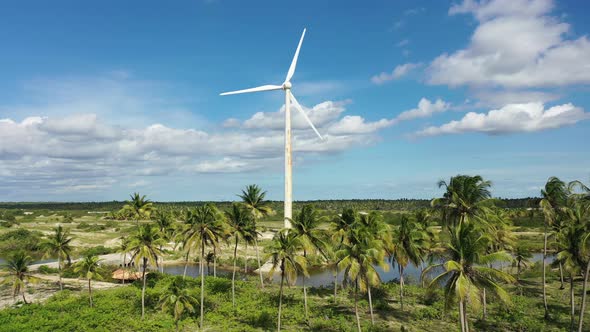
(289, 97)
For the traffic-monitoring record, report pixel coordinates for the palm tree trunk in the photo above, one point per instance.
(185, 265)
(561, 275)
(24, 300)
(583, 304)
(258, 258)
(401, 286)
(90, 291)
(544, 273)
(214, 262)
(573, 311)
(370, 305)
(246, 259)
(202, 283)
(162, 262)
(356, 307)
(280, 297)
(124, 267)
(335, 284)
(305, 292)
(465, 316)
(233, 276)
(485, 308)
(61, 287)
(461, 315)
(143, 288)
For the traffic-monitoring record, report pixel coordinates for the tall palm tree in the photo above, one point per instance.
(573, 240)
(177, 298)
(284, 253)
(18, 273)
(165, 224)
(553, 197)
(123, 249)
(88, 267)
(145, 246)
(139, 207)
(339, 228)
(305, 225)
(359, 255)
(206, 229)
(466, 271)
(241, 227)
(58, 244)
(253, 198)
(408, 245)
(463, 198)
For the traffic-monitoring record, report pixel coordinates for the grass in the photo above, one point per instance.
(120, 309)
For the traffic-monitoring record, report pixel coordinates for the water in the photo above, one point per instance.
(323, 277)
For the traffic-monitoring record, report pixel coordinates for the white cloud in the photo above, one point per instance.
(397, 73)
(499, 98)
(403, 42)
(536, 53)
(320, 115)
(512, 118)
(425, 108)
(354, 124)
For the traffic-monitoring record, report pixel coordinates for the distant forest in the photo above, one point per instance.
(359, 204)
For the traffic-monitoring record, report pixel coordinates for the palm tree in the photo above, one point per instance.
(206, 228)
(253, 198)
(339, 228)
(165, 225)
(408, 245)
(305, 225)
(554, 195)
(241, 227)
(18, 273)
(466, 271)
(145, 247)
(573, 244)
(359, 255)
(88, 267)
(58, 244)
(522, 256)
(284, 254)
(209, 258)
(139, 207)
(123, 249)
(463, 199)
(176, 297)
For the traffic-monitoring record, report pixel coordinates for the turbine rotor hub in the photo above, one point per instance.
(286, 85)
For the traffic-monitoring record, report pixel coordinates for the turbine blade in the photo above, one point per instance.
(256, 89)
(300, 109)
(294, 62)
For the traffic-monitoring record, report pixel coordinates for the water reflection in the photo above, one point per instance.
(325, 277)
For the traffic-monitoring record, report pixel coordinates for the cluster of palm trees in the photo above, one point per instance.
(461, 240)
(201, 231)
(566, 207)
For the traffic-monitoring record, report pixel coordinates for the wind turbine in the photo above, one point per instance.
(286, 86)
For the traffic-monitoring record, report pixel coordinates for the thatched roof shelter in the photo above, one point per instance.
(122, 274)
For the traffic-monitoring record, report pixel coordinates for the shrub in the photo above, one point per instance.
(44, 269)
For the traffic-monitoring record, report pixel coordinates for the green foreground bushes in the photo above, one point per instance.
(119, 309)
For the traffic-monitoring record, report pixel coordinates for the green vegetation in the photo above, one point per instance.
(473, 251)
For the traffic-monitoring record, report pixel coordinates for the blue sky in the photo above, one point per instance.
(98, 100)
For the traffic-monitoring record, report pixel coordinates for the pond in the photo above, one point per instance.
(324, 277)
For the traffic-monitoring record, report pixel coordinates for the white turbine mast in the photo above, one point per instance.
(289, 98)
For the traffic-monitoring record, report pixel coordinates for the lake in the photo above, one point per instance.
(324, 277)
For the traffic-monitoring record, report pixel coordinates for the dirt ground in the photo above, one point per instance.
(45, 286)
